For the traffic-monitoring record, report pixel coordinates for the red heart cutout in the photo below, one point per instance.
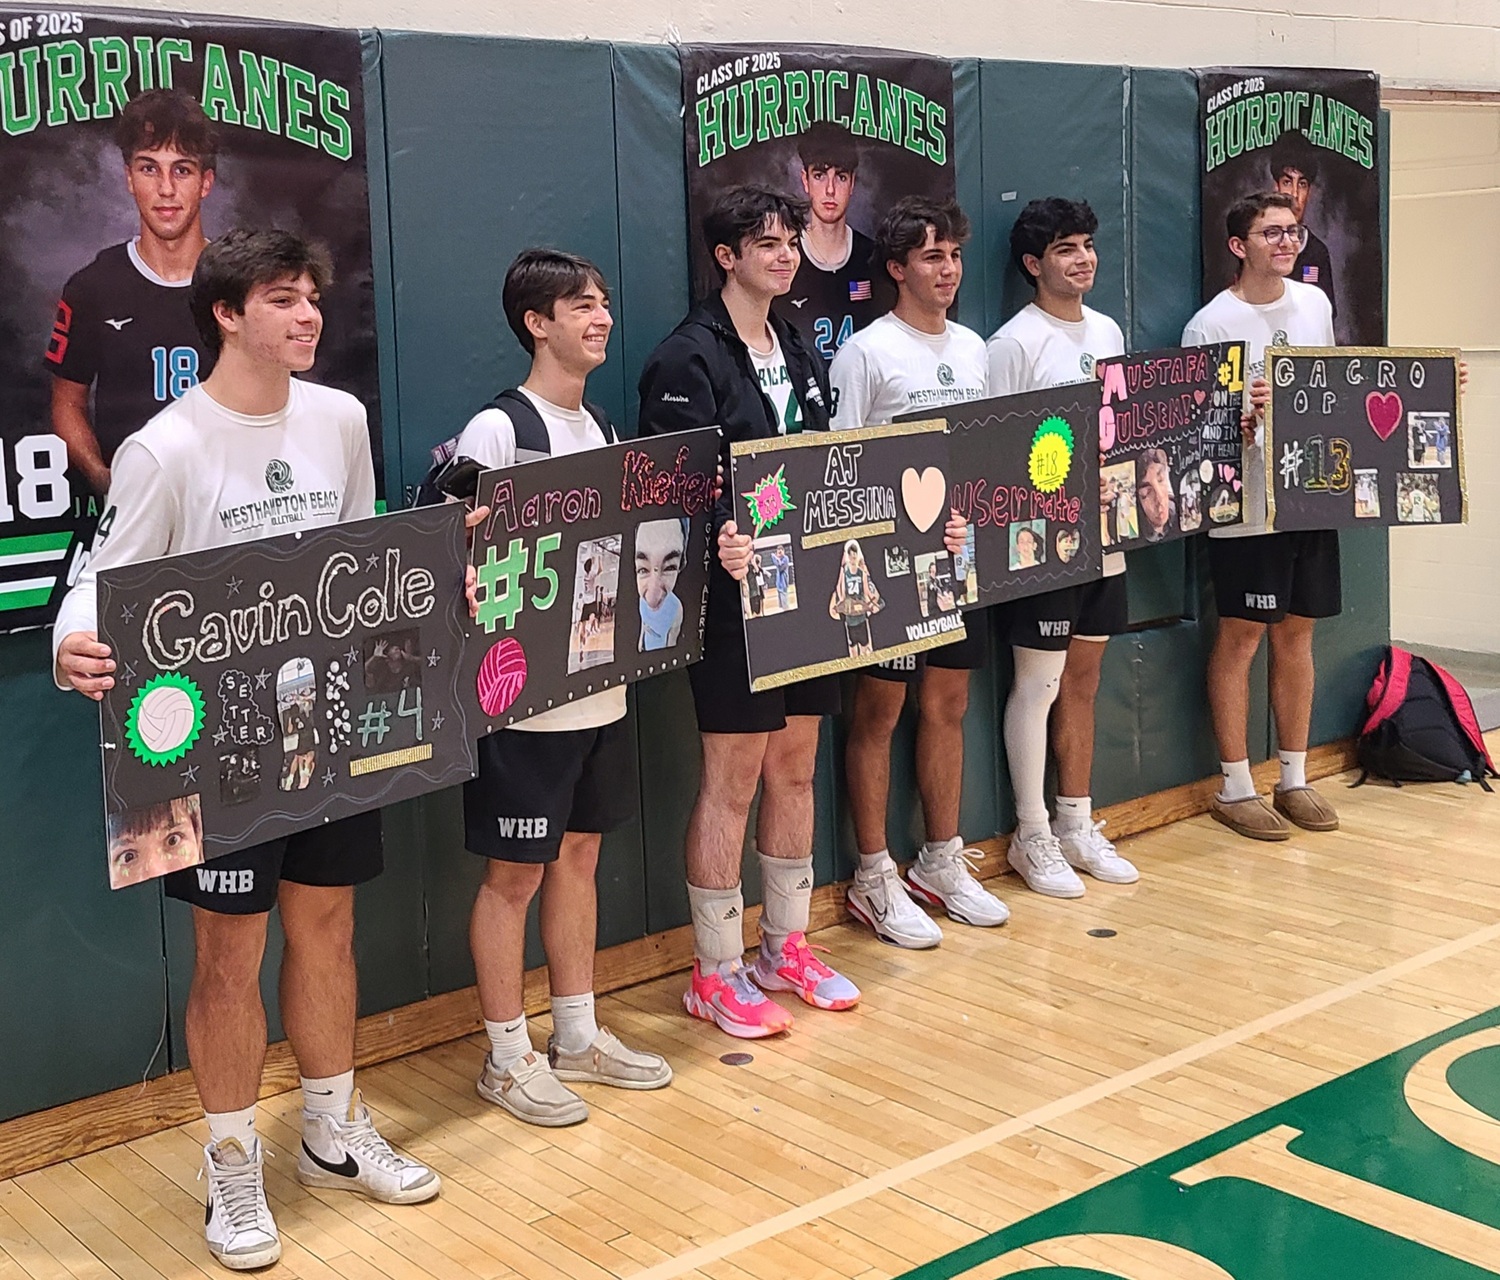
(1383, 409)
(1200, 396)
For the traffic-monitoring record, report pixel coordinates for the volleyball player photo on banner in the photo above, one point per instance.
(1314, 136)
(127, 141)
(851, 131)
(271, 686)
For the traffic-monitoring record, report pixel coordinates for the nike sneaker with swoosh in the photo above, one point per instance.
(237, 1222)
(798, 969)
(349, 1155)
(732, 1002)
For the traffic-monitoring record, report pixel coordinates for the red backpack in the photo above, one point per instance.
(1421, 727)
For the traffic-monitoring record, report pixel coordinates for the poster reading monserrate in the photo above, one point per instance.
(849, 130)
(1314, 136)
(127, 141)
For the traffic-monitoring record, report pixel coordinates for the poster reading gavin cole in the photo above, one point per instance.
(127, 140)
(849, 130)
(1364, 436)
(1314, 136)
(265, 688)
(848, 564)
(592, 572)
(1170, 443)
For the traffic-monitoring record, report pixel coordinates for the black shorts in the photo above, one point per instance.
(533, 787)
(969, 654)
(1264, 577)
(722, 697)
(345, 852)
(1052, 620)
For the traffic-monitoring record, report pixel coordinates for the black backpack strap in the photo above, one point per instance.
(531, 431)
(611, 436)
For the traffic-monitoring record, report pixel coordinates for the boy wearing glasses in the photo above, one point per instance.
(1276, 583)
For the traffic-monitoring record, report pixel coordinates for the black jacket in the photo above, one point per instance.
(700, 375)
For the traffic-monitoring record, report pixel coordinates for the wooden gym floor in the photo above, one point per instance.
(975, 1086)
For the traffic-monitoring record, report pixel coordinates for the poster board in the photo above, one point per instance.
(592, 572)
(849, 566)
(1172, 460)
(267, 687)
(1364, 436)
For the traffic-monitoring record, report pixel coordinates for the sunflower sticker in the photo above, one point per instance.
(164, 719)
(1051, 454)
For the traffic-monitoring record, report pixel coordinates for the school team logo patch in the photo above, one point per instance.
(278, 476)
(945, 375)
(1086, 363)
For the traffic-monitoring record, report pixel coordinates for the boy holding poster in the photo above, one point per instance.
(1058, 638)
(199, 475)
(548, 787)
(912, 359)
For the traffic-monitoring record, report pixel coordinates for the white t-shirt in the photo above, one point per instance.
(1301, 317)
(776, 382)
(198, 475)
(1034, 350)
(490, 439)
(888, 368)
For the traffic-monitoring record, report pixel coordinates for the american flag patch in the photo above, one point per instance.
(1310, 275)
(859, 291)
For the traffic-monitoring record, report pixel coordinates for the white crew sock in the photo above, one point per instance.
(1075, 813)
(1034, 690)
(509, 1042)
(1293, 769)
(872, 864)
(239, 1125)
(328, 1095)
(1238, 784)
(933, 848)
(573, 1025)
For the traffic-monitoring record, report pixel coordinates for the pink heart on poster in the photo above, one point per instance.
(1236, 486)
(1200, 396)
(1383, 409)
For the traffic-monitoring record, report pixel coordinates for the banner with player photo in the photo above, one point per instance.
(849, 566)
(849, 130)
(225, 124)
(268, 687)
(1170, 443)
(592, 572)
(1313, 135)
(1364, 436)
(1024, 469)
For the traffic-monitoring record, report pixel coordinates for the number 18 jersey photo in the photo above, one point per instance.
(129, 333)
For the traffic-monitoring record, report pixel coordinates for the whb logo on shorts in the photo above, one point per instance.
(522, 828)
(1253, 601)
(1054, 627)
(278, 476)
(211, 881)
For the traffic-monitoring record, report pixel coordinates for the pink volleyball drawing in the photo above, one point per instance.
(502, 676)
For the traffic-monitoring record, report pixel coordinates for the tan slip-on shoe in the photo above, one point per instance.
(608, 1061)
(530, 1092)
(1251, 817)
(1306, 808)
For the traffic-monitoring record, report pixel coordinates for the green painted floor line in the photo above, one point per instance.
(1358, 1125)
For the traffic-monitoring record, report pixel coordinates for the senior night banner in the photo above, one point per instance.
(849, 130)
(1313, 135)
(227, 124)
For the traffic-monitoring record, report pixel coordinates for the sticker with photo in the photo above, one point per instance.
(897, 562)
(1118, 521)
(1417, 500)
(659, 548)
(1155, 501)
(966, 570)
(1429, 440)
(1224, 503)
(155, 840)
(1190, 503)
(239, 776)
(1367, 494)
(856, 599)
(596, 586)
(1068, 542)
(1028, 541)
(296, 706)
(770, 587)
(393, 661)
(936, 589)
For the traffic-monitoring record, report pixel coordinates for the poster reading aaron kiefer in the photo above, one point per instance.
(1170, 443)
(265, 688)
(592, 572)
(848, 564)
(1364, 435)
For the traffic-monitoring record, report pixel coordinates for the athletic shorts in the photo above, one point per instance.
(534, 787)
(722, 697)
(1051, 621)
(969, 654)
(1263, 577)
(345, 852)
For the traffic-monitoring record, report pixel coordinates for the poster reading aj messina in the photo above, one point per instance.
(127, 141)
(851, 131)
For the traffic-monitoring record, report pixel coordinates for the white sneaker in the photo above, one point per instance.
(880, 900)
(1040, 861)
(238, 1225)
(349, 1155)
(1088, 850)
(945, 878)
